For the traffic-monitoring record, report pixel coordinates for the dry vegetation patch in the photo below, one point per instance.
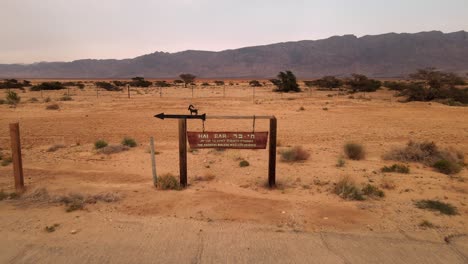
(447, 161)
(293, 154)
(354, 151)
(168, 182)
(112, 149)
(434, 205)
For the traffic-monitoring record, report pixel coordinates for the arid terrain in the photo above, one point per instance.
(220, 191)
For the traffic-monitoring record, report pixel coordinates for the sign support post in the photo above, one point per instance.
(272, 154)
(16, 156)
(183, 151)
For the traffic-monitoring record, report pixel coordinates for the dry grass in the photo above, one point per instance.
(398, 168)
(388, 184)
(372, 191)
(206, 177)
(293, 154)
(53, 107)
(433, 205)
(55, 147)
(112, 149)
(168, 182)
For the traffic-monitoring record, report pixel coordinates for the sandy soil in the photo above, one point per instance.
(303, 200)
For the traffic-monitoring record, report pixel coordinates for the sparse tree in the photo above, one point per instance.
(187, 78)
(286, 82)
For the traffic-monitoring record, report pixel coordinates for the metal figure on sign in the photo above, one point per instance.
(193, 110)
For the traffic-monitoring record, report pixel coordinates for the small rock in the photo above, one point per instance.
(74, 231)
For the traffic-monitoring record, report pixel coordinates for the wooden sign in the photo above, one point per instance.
(230, 140)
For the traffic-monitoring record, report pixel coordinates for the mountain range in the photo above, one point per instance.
(387, 55)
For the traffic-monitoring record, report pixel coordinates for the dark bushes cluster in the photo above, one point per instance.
(48, 86)
(108, 86)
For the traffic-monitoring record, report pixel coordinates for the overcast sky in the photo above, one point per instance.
(65, 30)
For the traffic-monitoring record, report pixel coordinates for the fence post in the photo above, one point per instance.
(183, 151)
(128, 90)
(153, 162)
(272, 154)
(16, 156)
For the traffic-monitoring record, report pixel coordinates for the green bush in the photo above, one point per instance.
(447, 167)
(129, 142)
(244, 163)
(66, 98)
(328, 82)
(398, 168)
(162, 84)
(140, 82)
(100, 144)
(433, 205)
(360, 83)
(354, 151)
(108, 86)
(48, 86)
(168, 182)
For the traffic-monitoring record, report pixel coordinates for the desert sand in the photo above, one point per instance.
(303, 201)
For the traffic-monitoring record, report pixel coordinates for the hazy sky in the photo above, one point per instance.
(64, 30)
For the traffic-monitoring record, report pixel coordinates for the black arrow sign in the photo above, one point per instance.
(162, 116)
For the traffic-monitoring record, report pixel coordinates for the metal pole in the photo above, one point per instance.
(272, 154)
(153, 162)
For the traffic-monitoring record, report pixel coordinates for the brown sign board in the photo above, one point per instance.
(229, 140)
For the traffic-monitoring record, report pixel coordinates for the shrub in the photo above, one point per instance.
(219, 83)
(12, 98)
(286, 82)
(433, 205)
(112, 149)
(429, 154)
(48, 86)
(108, 86)
(47, 100)
(33, 100)
(372, 191)
(360, 83)
(100, 144)
(340, 163)
(66, 98)
(348, 190)
(162, 84)
(168, 182)
(129, 142)
(296, 153)
(426, 224)
(119, 83)
(329, 82)
(205, 84)
(13, 83)
(244, 163)
(53, 107)
(255, 83)
(447, 166)
(354, 151)
(398, 168)
(6, 161)
(140, 82)
(2, 101)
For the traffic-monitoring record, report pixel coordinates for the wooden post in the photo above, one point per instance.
(153, 162)
(183, 151)
(16, 156)
(253, 96)
(128, 90)
(272, 154)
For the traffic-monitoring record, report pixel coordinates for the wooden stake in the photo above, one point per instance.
(183, 151)
(153, 162)
(272, 154)
(16, 156)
